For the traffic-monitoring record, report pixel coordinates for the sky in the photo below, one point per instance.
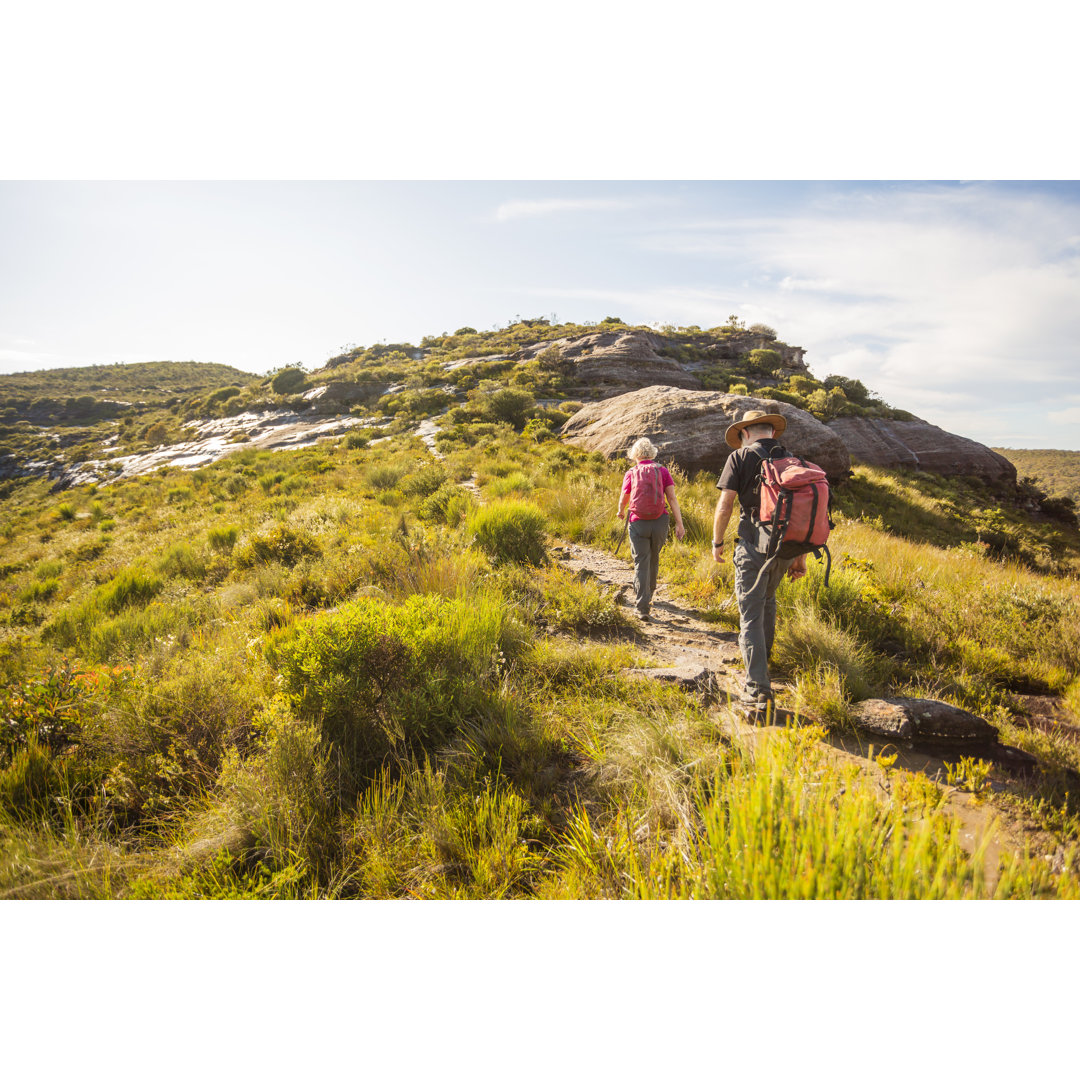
(957, 301)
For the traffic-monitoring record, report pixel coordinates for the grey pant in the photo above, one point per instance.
(646, 540)
(757, 611)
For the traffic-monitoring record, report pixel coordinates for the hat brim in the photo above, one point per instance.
(731, 436)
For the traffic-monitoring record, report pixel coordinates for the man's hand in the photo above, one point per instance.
(718, 553)
(680, 531)
(798, 568)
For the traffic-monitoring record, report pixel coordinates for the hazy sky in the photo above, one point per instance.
(957, 301)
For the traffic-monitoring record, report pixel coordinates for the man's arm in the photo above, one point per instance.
(720, 522)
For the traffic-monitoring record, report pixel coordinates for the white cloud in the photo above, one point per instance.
(522, 208)
(793, 284)
(1066, 416)
(936, 298)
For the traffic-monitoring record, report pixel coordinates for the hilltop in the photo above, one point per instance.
(393, 662)
(531, 373)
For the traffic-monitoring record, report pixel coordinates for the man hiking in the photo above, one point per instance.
(752, 438)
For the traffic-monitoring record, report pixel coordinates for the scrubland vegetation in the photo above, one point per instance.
(338, 672)
(1057, 472)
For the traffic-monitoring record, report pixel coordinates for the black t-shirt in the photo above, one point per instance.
(740, 474)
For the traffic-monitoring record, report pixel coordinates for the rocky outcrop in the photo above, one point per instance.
(688, 427)
(614, 361)
(741, 342)
(915, 444)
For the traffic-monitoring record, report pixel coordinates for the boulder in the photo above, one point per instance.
(923, 720)
(688, 427)
(915, 444)
(615, 361)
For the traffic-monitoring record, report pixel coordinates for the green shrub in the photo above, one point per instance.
(385, 477)
(424, 482)
(281, 544)
(510, 532)
(511, 406)
(379, 677)
(39, 590)
(288, 381)
(46, 709)
(515, 483)
(765, 359)
(223, 538)
(182, 560)
(90, 551)
(48, 568)
(433, 508)
(132, 587)
(458, 507)
(270, 480)
(357, 440)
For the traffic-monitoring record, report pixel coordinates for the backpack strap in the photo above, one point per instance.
(765, 455)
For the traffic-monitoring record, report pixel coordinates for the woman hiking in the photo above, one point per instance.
(645, 487)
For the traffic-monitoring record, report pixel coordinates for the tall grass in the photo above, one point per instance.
(510, 531)
(787, 825)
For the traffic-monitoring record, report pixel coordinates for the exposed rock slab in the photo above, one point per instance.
(616, 361)
(915, 444)
(688, 427)
(272, 430)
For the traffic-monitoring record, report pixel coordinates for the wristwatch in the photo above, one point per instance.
(718, 543)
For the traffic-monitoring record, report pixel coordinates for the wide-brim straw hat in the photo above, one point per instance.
(731, 436)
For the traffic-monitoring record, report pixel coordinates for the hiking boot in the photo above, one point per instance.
(756, 697)
(644, 616)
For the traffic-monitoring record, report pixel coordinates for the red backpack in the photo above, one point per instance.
(646, 492)
(793, 506)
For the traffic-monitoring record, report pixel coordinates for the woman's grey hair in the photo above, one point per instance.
(642, 449)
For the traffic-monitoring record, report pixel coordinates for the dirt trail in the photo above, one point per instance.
(674, 635)
(700, 656)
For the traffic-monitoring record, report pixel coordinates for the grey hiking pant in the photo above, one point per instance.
(646, 540)
(757, 611)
